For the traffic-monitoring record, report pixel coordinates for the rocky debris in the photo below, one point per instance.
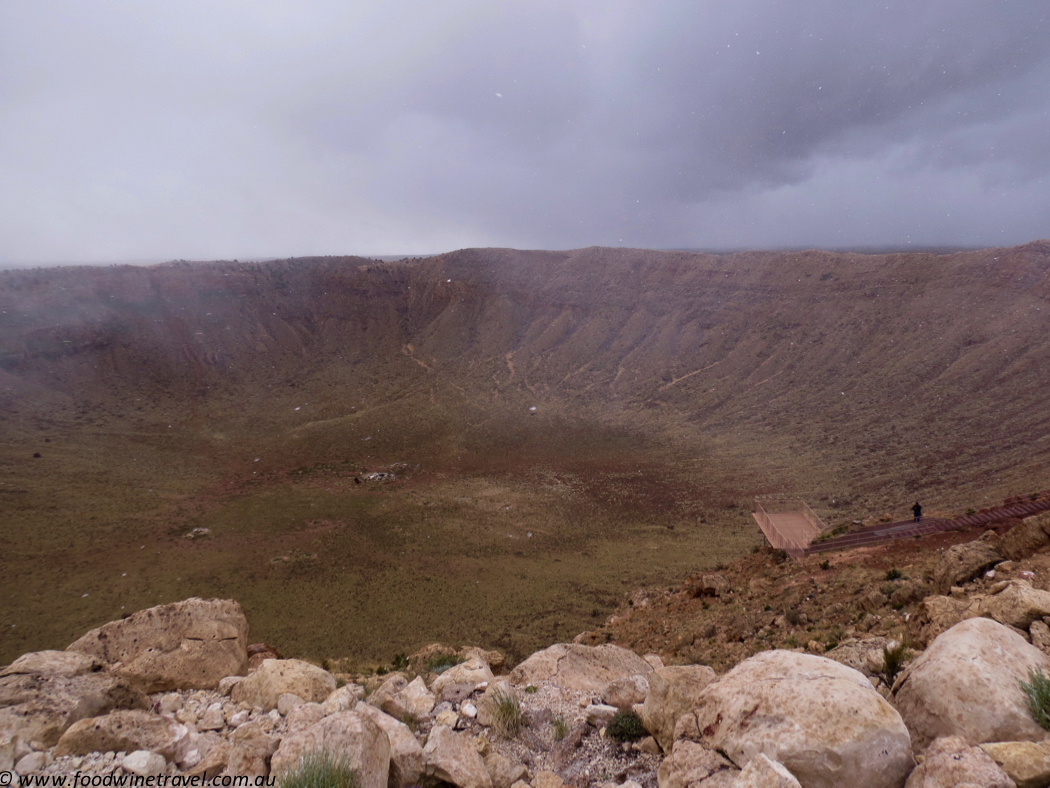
(53, 663)
(453, 758)
(963, 562)
(251, 749)
(402, 699)
(966, 684)
(577, 667)
(275, 677)
(938, 614)
(708, 584)
(951, 762)
(185, 645)
(820, 719)
(673, 691)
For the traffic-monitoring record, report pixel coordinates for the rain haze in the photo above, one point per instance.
(200, 129)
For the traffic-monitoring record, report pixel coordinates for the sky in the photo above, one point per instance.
(217, 129)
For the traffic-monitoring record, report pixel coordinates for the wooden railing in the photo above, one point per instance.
(793, 548)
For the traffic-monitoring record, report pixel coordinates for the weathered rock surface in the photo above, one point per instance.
(626, 692)
(473, 672)
(274, 677)
(673, 691)
(761, 772)
(54, 663)
(690, 763)
(123, 731)
(951, 763)
(966, 684)
(863, 654)
(41, 706)
(582, 668)
(1025, 539)
(1026, 763)
(144, 763)
(963, 562)
(1017, 604)
(250, 751)
(406, 753)
(347, 733)
(453, 758)
(821, 720)
(188, 644)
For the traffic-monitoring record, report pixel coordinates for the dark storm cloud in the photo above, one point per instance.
(200, 129)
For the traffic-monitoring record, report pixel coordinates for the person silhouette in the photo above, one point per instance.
(917, 511)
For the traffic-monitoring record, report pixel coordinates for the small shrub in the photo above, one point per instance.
(792, 616)
(320, 769)
(1037, 694)
(626, 726)
(971, 511)
(559, 727)
(439, 663)
(825, 564)
(530, 690)
(400, 662)
(893, 574)
(506, 714)
(893, 660)
(1033, 496)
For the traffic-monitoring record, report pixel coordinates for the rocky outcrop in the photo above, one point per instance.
(962, 562)
(1016, 604)
(1026, 538)
(43, 693)
(185, 645)
(347, 734)
(966, 684)
(471, 673)
(577, 667)
(951, 762)
(673, 691)
(275, 677)
(821, 720)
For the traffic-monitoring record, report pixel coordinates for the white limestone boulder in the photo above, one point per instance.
(346, 734)
(952, 763)
(406, 753)
(123, 731)
(472, 672)
(452, 758)
(966, 684)
(571, 666)
(673, 691)
(191, 644)
(820, 719)
(275, 677)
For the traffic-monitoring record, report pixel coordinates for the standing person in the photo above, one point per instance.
(917, 511)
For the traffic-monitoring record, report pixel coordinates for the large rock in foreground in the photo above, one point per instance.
(185, 645)
(42, 693)
(966, 684)
(821, 720)
(580, 668)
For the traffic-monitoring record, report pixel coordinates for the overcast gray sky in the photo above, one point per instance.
(201, 129)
